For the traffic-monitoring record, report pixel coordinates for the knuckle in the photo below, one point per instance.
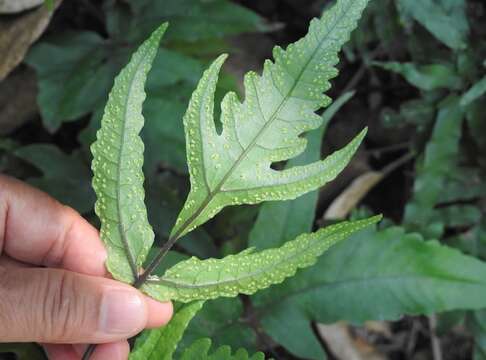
(60, 313)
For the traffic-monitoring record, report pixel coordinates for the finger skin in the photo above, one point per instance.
(58, 306)
(60, 352)
(115, 351)
(159, 313)
(111, 351)
(36, 229)
(43, 305)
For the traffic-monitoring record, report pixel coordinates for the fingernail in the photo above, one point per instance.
(122, 312)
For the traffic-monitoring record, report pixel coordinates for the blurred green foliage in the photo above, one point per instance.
(434, 49)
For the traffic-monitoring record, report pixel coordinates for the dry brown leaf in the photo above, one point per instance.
(18, 33)
(379, 327)
(344, 347)
(353, 194)
(359, 188)
(15, 6)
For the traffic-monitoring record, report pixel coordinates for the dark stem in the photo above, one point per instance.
(155, 262)
(89, 351)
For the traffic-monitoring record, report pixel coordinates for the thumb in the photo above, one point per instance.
(57, 306)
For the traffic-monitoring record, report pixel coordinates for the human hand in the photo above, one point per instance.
(53, 283)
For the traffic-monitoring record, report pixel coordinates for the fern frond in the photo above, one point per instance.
(234, 167)
(248, 271)
(117, 167)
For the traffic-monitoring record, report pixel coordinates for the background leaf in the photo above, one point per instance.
(407, 274)
(221, 320)
(425, 77)
(76, 190)
(445, 19)
(77, 61)
(440, 155)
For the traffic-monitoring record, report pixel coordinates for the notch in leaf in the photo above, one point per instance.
(234, 167)
(227, 168)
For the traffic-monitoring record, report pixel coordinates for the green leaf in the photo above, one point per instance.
(193, 20)
(425, 77)
(462, 184)
(73, 190)
(248, 271)
(445, 19)
(476, 91)
(75, 70)
(375, 275)
(200, 348)
(234, 167)
(281, 221)
(459, 215)
(221, 320)
(164, 133)
(418, 112)
(73, 76)
(163, 202)
(117, 166)
(473, 241)
(160, 344)
(440, 156)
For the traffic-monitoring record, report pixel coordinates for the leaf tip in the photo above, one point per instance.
(221, 59)
(364, 132)
(159, 32)
(376, 219)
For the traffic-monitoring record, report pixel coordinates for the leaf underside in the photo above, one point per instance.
(117, 167)
(230, 168)
(248, 271)
(234, 167)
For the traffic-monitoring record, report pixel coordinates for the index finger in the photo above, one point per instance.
(37, 229)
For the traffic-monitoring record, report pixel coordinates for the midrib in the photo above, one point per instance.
(121, 229)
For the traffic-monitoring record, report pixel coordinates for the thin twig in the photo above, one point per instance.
(435, 342)
(89, 351)
(390, 148)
